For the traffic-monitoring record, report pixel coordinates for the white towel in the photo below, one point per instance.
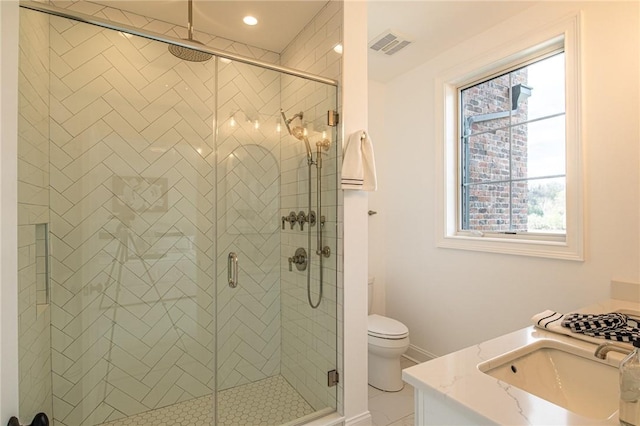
(358, 163)
(552, 321)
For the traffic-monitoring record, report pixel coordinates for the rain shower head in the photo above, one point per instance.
(186, 53)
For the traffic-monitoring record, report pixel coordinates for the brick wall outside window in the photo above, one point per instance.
(502, 205)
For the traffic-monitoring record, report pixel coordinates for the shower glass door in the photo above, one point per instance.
(139, 173)
(274, 350)
(130, 187)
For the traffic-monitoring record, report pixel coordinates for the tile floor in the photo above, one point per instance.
(392, 408)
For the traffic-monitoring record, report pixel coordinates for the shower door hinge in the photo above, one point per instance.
(333, 378)
(333, 118)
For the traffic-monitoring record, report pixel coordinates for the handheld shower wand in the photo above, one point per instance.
(298, 133)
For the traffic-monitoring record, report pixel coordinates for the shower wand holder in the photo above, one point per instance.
(326, 251)
(324, 145)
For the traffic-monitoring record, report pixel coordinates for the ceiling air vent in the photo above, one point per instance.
(389, 42)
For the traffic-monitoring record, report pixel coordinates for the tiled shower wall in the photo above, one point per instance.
(134, 243)
(248, 190)
(309, 335)
(33, 211)
(132, 229)
(129, 199)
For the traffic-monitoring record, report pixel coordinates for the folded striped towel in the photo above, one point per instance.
(358, 163)
(550, 320)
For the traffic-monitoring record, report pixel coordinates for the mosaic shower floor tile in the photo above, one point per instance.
(269, 402)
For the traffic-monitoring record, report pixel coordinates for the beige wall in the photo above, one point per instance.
(451, 299)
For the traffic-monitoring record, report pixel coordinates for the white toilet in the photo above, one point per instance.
(388, 340)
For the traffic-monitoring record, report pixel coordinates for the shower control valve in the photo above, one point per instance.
(302, 219)
(292, 219)
(300, 259)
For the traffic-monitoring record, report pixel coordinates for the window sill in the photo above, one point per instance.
(517, 246)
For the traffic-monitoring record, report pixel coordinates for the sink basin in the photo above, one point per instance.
(565, 375)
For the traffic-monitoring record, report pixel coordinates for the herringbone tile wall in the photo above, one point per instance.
(132, 225)
(248, 187)
(133, 176)
(33, 208)
(309, 335)
(133, 141)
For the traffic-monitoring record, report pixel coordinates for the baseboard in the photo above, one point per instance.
(363, 419)
(418, 355)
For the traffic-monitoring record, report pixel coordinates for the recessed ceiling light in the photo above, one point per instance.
(250, 20)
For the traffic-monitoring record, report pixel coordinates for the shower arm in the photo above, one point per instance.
(190, 23)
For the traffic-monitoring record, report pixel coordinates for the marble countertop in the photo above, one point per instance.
(455, 377)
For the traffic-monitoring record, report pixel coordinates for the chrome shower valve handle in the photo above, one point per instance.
(292, 219)
(302, 219)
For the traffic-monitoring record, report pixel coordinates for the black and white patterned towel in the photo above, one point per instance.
(612, 326)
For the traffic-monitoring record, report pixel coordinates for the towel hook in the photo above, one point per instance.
(363, 136)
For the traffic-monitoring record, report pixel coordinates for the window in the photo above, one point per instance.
(512, 151)
(508, 156)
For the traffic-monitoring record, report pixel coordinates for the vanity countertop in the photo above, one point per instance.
(455, 380)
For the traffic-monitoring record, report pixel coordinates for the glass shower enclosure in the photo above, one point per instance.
(163, 205)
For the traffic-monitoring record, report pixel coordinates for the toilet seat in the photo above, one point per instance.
(386, 328)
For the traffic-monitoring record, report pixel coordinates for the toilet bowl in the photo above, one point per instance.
(387, 340)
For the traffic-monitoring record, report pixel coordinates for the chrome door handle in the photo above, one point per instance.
(232, 270)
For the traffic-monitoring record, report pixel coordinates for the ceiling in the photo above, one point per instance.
(434, 26)
(275, 30)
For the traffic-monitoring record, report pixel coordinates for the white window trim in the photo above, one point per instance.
(447, 166)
